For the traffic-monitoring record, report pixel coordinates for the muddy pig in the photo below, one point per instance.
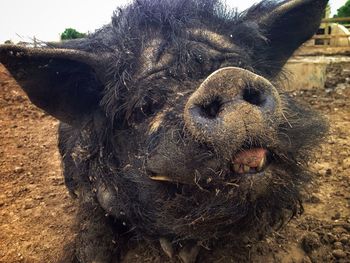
(176, 133)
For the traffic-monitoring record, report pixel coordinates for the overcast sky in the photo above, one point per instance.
(20, 20)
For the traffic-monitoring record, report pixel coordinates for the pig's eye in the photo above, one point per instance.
(200, 66)
(146, 107)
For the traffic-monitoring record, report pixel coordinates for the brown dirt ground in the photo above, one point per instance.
(37, 214)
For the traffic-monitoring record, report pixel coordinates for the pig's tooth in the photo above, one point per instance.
(246, 168)
(261, 164)
(161, 178)
(236, 167)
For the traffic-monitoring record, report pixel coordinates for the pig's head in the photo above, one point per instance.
(175, 116)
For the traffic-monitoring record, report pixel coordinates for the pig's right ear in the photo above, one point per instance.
(285, 25)
(65, 83)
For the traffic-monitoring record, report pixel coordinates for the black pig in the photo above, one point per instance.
(175, 129)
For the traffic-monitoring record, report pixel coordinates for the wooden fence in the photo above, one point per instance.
(328, 38)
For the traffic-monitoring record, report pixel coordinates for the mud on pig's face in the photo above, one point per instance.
(180, 122)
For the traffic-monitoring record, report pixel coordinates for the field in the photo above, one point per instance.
(37, 213)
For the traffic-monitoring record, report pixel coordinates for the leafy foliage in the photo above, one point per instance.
(344, 11)
(71, 33)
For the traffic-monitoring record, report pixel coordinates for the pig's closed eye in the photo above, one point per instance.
(204, 66)
(146, 107)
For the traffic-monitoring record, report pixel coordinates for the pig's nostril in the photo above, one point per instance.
(254, 96)
(211, 110)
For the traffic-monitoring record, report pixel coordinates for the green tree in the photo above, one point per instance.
(344, 11)
(71, 33)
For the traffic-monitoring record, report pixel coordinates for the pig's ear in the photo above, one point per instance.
(65, 83)
(286, 27)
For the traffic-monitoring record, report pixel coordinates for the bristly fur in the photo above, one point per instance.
(101, 157)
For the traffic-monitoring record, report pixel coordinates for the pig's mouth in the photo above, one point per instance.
(250, 161)
(245, 163)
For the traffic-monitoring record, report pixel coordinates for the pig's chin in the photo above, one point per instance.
(249, 205)
(241, 201)
(247, 192)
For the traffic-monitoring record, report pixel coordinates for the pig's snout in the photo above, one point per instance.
(230, 105)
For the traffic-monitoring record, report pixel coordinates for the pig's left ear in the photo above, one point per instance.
(65, 83)
(286, 27)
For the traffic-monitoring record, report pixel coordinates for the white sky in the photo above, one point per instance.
(20, 20)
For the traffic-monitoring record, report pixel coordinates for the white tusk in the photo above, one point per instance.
(161, 178)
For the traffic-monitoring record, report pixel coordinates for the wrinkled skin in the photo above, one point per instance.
(175, 125)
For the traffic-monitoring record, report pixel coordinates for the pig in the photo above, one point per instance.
(176, 132)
